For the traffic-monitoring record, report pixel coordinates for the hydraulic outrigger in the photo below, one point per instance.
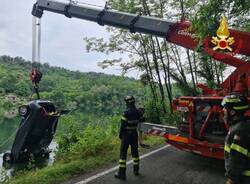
(203, 129)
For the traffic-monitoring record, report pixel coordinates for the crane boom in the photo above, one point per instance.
(179, 33)
(135, 23)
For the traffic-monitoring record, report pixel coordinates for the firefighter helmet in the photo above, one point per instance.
(129, 99)
(236, 102)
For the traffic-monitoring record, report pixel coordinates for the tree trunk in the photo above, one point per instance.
(191, 69)
(149, 70)
(168, 85)
(153, 52)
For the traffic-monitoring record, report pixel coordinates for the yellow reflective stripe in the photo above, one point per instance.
(136, 159)
(246, 173)
(227, 148)
(239, 149)
(122, 161)
(123, 118)
(122, 165)
(232, 100)
(241, 107)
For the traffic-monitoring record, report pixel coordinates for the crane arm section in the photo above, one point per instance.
(135, 23)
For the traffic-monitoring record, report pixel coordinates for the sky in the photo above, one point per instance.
(62, 41)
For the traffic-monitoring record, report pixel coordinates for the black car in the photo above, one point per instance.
(35, 132)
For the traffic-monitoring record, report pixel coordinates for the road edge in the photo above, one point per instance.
(98, 175)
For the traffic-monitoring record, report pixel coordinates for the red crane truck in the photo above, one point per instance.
(202, 129)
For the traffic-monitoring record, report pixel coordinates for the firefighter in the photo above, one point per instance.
(129, 136)
(237, 143)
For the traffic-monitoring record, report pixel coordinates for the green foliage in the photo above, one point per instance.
(89, 92)
(4, 178)
(93, 140)
(168, 117)
(237, 12)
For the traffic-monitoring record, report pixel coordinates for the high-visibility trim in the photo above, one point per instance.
(177, 138)
(241, 107)
(240, 149)
(131, 128)
(227, 148)
(136, 159)
(123, 118)
(122, 165)
(246, 173)
(122, 161)
(232, 100)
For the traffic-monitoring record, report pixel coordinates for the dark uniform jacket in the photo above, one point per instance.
(130, 120)
(237, 151)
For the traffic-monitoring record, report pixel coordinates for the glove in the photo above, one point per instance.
(229, 181)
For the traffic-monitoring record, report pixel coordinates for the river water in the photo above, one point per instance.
(8, 130)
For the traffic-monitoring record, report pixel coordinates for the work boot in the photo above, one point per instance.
(121, 174)
(136, 170)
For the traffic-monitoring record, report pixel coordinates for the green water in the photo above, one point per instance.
(8, 129)
(7, 133)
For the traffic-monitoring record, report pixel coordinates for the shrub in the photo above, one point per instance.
(94, 139)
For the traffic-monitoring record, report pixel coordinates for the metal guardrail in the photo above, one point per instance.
(160, 129)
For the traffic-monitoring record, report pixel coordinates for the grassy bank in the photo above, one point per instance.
(60, 171)
(80, 152)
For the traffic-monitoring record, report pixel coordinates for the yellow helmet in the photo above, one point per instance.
(237, 102)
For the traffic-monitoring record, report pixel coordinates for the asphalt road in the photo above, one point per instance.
(170, 166)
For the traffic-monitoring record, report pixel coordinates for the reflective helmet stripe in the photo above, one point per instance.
(232, 100)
